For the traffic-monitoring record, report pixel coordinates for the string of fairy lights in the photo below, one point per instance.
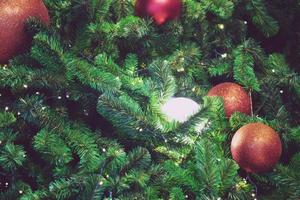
(170, 109)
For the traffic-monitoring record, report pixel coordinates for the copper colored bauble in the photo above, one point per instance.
(160, 10)
(236, 99)
(256, 147)
(13, 16)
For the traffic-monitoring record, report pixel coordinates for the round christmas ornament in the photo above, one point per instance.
(236, 99)
(180, 109)
(160, 10)
(13, 16)
(256, 147)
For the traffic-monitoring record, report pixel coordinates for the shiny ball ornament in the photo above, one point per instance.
(180, 109)
(13, 16)
(160, 10)
(256, 147)
(236, 99)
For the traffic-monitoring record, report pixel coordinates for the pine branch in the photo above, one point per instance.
(244, 66)
(12, 156)
(262, 19)
(221, 8)
(53, 147)
(89, 75)
(6, 119)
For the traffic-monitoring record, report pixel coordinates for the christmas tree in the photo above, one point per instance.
(149, 99)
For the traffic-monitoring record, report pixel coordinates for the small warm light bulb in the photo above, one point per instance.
(224, 55)
(181, 69)
(221, 26)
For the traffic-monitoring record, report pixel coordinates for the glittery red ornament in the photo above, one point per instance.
(236, 99)
(160, 10)
(13, 15)
(256, 147)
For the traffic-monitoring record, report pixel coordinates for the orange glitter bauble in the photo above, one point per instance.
(13, 15)
(236, 99)
(256, 147)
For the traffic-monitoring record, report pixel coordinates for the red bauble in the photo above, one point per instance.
(13, 15)
(160, 10)
(256, 147)
(236, 99)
